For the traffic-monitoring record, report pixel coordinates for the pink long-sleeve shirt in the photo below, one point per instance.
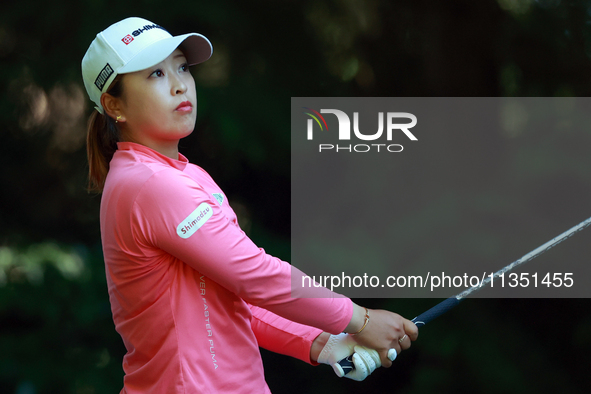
(191, 295)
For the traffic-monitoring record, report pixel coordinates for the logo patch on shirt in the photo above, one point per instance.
(194, 221)
(219, 197)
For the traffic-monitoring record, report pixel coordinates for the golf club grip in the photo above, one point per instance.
(436, 311)
(420, 320)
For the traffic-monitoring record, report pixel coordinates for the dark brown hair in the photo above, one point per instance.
(101, 141)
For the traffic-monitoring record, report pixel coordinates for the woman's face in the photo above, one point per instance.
(159, 104)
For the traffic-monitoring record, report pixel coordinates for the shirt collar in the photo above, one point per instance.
(152, 155)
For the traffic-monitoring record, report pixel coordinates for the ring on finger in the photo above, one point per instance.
(403, 338)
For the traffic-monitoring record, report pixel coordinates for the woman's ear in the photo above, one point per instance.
(112, 107)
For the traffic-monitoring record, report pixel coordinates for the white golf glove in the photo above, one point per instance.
(344, 345)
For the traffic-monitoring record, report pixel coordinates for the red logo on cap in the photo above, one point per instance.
(127, 39)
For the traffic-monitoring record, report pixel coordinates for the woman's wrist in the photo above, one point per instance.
(358, 320)
(318, 345)
(366, 317)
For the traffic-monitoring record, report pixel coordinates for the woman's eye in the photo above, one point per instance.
(185, 67)
(157, 73)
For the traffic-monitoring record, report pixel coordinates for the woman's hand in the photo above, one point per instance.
(330, 349)
(384, 331)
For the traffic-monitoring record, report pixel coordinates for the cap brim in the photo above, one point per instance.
(196, 48)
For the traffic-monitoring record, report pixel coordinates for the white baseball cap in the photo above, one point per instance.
(134, 44)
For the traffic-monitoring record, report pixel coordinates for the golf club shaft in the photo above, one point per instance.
(446, 305)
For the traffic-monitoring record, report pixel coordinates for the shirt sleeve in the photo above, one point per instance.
(283, 336)
(173, 213)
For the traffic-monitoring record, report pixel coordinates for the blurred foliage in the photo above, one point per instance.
(56, 332)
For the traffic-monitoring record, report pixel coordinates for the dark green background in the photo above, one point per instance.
(56, 332)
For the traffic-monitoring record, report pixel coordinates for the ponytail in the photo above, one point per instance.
(101, 142)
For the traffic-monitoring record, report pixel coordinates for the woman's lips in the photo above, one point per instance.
(185, 106)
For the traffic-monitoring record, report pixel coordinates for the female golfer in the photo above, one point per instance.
(191, 295)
